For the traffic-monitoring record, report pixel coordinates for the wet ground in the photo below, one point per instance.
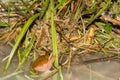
(108, 70)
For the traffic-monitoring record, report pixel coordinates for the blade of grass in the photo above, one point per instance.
(63, 6)
(20, 36)
(60, 73)
(26, 51)
(54, 38)
(7, 77)
(27, 7)
(3, 24)
(99, 13)
(78, 11)
(50, 9)
(54, 42)
(8, 11)
(54, 45)
(44, 8)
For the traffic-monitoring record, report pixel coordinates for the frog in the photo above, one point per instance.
(42, 63)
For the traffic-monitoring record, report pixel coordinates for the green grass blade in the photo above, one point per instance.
(54, 41)
(21, 35)
(54, 38)
(44, 8)
(26, 51)
(3, 24)
(54, 45)
(99, 13)
(60, 73)
(27, 7)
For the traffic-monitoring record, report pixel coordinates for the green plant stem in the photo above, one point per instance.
(26, 51)
(19, 38)
(44, 8)
(99, 13)
(54, 41)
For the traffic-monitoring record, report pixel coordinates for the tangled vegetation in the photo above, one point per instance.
(62, 29)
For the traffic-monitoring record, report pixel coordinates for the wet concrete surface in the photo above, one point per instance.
(108, 70)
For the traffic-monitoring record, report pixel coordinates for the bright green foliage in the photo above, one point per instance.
(3, 24)
(108, 28)
(27, 50)
(19, 38)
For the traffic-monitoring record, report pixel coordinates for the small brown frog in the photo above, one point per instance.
(42, 63)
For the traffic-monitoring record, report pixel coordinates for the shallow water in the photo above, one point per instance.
(109, 70)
